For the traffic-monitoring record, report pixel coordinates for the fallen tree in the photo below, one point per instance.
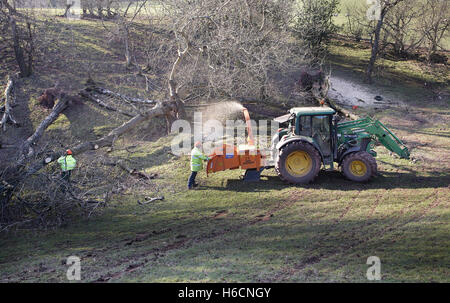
(99, 102)
(318, 85)
(26, 150)
(161, 109)
(31, 160)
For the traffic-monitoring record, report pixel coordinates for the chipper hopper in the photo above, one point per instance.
(245, 156)
(312, 138)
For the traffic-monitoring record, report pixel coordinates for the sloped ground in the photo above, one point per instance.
(233, 231)
(70, 53)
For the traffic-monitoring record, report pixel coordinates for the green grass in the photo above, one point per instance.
(354, 56)
(233, 231)
(268, 231)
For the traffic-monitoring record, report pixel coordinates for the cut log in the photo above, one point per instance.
(340, 110)
(150, 200)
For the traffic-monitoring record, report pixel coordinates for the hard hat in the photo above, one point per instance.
(198, 144)
(68, 152)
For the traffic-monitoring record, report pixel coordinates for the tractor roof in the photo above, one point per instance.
(312, 111)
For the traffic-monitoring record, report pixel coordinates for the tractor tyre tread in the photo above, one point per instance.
(295, 146)
(367, 158)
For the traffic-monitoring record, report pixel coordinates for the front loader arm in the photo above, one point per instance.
(388, 139)
(379, 131)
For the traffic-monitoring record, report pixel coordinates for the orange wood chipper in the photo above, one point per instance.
(245, 156)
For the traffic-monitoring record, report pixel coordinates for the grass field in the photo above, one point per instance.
(233, 231)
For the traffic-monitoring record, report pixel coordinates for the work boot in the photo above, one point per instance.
(196, 184)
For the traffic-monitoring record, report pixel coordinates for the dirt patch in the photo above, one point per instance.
(220, 214)
(350, 93)
(179, 243)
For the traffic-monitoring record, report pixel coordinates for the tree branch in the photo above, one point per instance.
(90, 97)
(9, 101)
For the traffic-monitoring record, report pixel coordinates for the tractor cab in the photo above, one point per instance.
(315, 123)
(311, 124)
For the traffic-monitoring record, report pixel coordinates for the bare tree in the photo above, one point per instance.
(435, 24)
(19, 32)
(401, 27)
(385, 7)
(124, 18)
(230, 48)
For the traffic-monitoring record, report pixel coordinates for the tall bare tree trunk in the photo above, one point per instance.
(375, 47)
(18, 50)
(127, 46)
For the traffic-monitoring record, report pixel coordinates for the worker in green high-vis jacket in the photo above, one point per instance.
(67, 163)
(197, 158)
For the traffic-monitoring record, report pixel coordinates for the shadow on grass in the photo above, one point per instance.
(333, 180)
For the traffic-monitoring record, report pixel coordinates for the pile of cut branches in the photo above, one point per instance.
(33, 193)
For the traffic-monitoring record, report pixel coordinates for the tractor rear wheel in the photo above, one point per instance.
(359, 166)
(298, 162)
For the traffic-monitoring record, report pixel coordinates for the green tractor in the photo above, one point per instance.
(312, 136)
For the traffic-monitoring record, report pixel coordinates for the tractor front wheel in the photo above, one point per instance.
(359, 166)
(298, 162)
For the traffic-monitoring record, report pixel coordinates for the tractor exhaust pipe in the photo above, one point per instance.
(250, 138)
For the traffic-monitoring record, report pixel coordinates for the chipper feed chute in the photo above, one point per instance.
(245, 156)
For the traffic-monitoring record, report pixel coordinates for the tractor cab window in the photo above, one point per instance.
(305, 126)
(321, 133)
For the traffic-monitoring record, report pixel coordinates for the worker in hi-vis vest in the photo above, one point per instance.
(67, 163)
(197, 158)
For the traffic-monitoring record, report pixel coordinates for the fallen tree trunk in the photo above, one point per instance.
(340, 110)
(9, 100)
(20, 171)
(107, 92)
(26, 149)
(160, 109)
(92, 98)
(322, 98)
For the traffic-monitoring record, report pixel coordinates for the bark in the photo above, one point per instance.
(127, 46)
(9, 101)
(102, 104)
(127, 99)
(18, 50)
(375, 47)
(173, 86)
(26, 149)
(387, 5)
(68, 6)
